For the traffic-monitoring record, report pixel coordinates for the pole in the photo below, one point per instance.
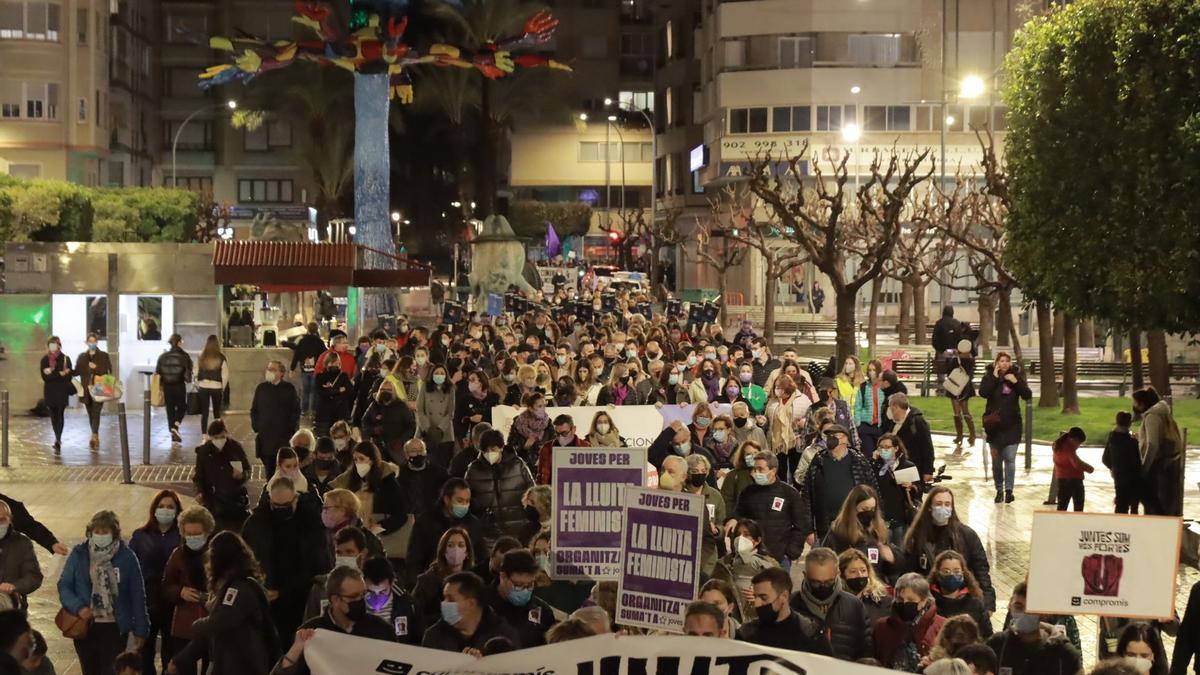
(4, 419)
(607, 179)
(146, 426)
(175, 142)
(126, 472)
(942, 126)
(1028, 436)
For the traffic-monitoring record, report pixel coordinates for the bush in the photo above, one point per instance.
(46, 210)
(529, 217)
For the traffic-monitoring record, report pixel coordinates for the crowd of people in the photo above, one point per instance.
(400, 514)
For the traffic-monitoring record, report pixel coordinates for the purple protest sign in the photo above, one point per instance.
(589, 496)
(660, 558)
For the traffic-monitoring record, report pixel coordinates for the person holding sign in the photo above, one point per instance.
(775, 624)
(778, 508)
(564, 437)
(698, 471)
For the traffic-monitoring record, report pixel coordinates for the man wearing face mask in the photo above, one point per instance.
(910, 425)
(681, 441)
(467, 622)
(564, 437)
(420, 480)
(744, 426)
(839, 614)
(346, 614)
(904, 637)
(274, 415)
(831, 476)
(323, 468)
(777, 507)
(512, 599)
(350, 549)
(775, 624)
(20, 574)
(222, 471)
(698, 470)
(453, 510)
(498, 479)
(1030, 647)
(763, 363)
(290, 546)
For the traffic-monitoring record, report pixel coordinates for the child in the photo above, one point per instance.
(1069, 469)
(1122, 459)
(129, 663)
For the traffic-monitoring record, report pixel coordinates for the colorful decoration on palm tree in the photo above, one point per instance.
(377, 45)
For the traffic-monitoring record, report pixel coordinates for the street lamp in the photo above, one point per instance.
(231, 104)
(621, 140)
(970, 87)
(630, 107)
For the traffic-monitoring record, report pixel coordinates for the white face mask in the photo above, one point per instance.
(1139, 663)
(603, 427)
(218, 443)
(849, 369)
(346, 561)
(492, 456)
(362, 468)
(743, 544)
(339, 443)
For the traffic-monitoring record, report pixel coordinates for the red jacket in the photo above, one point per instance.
(349, 365)
(544, 463)
(1067, 464)
(891, 632)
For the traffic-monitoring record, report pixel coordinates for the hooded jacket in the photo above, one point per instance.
(918, 441)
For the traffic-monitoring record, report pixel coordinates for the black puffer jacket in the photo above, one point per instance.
(1002, 396)
(964, 604)
(174, 366)
(781, 513)
(845, 622)
(496, 493)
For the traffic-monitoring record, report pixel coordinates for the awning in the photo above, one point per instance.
(307, 266)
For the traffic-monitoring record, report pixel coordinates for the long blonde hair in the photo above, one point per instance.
(211, 357)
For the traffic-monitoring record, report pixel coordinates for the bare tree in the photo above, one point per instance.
(922, 254)
(734, 209)
(651, 234)
(720, 258)
(832, 226)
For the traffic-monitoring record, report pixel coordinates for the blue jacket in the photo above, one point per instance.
(75, 588)
(868, 396)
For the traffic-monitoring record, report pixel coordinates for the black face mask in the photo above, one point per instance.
(739, 422)
(822, 590)
(326, 464)
(386, 398)
(282, 513)
(696, 479)
(866, 518)
(857, 585)
(417, 461)
(908, 611)
(356, 610)
(767, 614)
(532, 514)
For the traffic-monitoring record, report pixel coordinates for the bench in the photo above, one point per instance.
(810, 328)
(1103, 375)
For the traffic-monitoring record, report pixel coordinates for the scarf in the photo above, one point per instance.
(52, 360)
(723, 451)
(609, 440)
(620, 392)
(712, 386)
(104, 582)
(887, 466)
(531, 425)
(819, 607)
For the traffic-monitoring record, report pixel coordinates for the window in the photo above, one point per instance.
(182, 82)
(795, 52)
(30, 20)
(637, 44)
(197, 184)
(637, 100)
(735, 54)
(874, 49)
(24, 170)
(81, 111)
(11, 97)
(670, 95)
(977, 117)
(81, 25)
(593, 151)
(270, 135)
(669, 38)
(887, 118)
(1000, 118)
(197, 135)
(39, 99)
(264, 190)
(829, 118)
(795, 118)
(748, 121)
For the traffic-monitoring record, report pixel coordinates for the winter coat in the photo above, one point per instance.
(1003, 397)
(964, 603)
(731, 487)
(218, 491)
(467, 406)
(428, 529)
(662, 447)
(1122, 459)
(86, 373)
(1067, 465)
(19, 565)
(366, 383)
(895, 504)
(274, 416)
(174, 366)
(153, 547)
(212, 378)
(26, 524)
(435, 415)
(946, 334)
(530, 621)
(738, 570)
(714, 504)
(335, 393)
(442, 635)
(346, 361)
(870, 404)
(390, 425)
(888, 572)
(782, 514)
(845, 623)
(915, 435)
(1045, 657)
(57, 389)
(496, 493)
(814, 487)
(545, 458)
(892, 631)
(963, 539)
(129, 610)
(290, 552)
(239, 637)
(185, 568)
(386, 499)
(422, 489)
(606, 396)
(307, 350)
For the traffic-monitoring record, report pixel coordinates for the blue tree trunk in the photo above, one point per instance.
(372, 172)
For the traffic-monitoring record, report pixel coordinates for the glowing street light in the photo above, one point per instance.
(855, 89)
(395, 216)
(972, 86)
(949, 120)
(582, 117)
(851, 133)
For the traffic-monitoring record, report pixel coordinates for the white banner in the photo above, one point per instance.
(639, 424)
(329, 653)
(1103, 564)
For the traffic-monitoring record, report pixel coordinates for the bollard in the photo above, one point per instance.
(4, 419)
(126, 472)
(925, 381)
(1028, 435)
(146, 427)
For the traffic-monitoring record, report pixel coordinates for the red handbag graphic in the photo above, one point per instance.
(1102, 574)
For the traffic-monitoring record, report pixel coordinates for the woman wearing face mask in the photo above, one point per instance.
(335, 392)
(745, 426)
(1140, 645)
(739, 566)
(57, 389)
(956, 590)
(698, 471)
(287, 464)
(473, 406)
(365, 383)
(905, 636)
(895, 499)
(453, 556)
(382, 508)
(1003, 386)
(671, 389)
(587, 387)
(740, 475)
(936, 528)
(786, 414)
(435, 413)
(531, 428)
(566, 596)
(526, 384)
(153, 543)
(222, 471)
(707, 387)
(91, 365)
(1030, 646)
(858, 577)
(102, 584)
(504, 378)
(536, 503)
(388, 421)
(343, 437)
(731, 391)
(754, 394)
(848, 380)
(721, 444)
(184, 587)
(870, 407)
(340, 509)
(859, 525)
(621, 389)
(603, 433)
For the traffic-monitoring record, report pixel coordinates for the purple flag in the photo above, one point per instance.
(553, 245)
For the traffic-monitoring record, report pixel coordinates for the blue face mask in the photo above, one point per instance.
(3, 530)
(887, 455)
(683, 448)
(439, 379)
(941, 514)
(164, 516)
(91, 346)
(951, 583)
(460, 510)
(195, 542)
(703, 422)
(760, 478)
(450, 613)
(98, 541)
(673, 379)
(520, 596)
(749, 460)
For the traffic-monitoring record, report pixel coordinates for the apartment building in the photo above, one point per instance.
(134, 81)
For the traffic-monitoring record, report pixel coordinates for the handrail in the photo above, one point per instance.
(393, 256)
